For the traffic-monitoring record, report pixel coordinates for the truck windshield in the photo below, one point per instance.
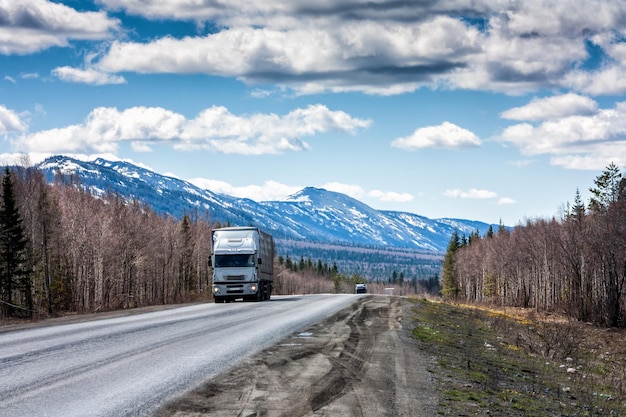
(222, 261)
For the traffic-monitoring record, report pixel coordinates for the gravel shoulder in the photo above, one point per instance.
(360, 362)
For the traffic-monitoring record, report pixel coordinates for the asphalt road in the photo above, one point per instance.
(129, 365)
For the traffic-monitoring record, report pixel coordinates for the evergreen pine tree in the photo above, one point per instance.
(449, 282)
(13, 273)
(578, 210)
(607, 189)
(501, 228)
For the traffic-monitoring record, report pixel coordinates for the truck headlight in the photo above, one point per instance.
(216, 290)
(252, 287)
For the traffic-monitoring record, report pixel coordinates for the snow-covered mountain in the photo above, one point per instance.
(312, 214)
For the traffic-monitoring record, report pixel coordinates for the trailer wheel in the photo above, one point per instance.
(267, 290)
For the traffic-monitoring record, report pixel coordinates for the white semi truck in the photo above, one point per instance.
(243, 264)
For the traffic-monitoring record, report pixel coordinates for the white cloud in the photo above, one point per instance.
(315, 50)
(87, 76)
(354, 191)
(10, 121)
(376, 57)
(268, 191)
(358, 192)
(30, 26)
(10, 79)
(177, 9)
(220, 187)
(15, 159)
(602, 155)
(505, 201)
(552, 107)
(214, 129)
(390, 196)
(581, 142)
(384, 47)
(445, 135)
(272, 190)
(375, 47)
(472, 193)
(609, 80)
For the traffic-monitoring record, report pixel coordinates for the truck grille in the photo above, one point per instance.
(234, 277)
(234, 289)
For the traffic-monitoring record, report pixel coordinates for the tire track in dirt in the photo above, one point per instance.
(359, 362)
(348, 366)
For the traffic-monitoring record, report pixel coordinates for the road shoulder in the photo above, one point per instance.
(360, 362)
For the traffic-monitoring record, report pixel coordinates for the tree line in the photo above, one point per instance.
(574, 264)
(375, 263)
(63, 250)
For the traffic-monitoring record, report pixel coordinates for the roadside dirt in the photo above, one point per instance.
(360, 362)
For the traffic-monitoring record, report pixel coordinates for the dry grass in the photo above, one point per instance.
(516, 362)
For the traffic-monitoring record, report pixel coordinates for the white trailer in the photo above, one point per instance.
(243, 264)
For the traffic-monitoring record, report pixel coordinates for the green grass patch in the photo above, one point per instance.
(493, 364)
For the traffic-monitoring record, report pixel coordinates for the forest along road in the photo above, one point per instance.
(131, 365)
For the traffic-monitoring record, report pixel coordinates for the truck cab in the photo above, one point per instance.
(242, 261)
(360, 289)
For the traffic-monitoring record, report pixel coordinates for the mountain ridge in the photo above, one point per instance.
(311, 214)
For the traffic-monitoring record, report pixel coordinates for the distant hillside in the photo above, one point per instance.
(314, 217)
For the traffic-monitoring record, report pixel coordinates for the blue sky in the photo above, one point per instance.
(478, 109)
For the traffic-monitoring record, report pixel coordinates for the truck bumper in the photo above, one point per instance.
(235, 290)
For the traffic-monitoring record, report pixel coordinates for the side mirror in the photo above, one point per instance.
(210, 262)
(259, 261)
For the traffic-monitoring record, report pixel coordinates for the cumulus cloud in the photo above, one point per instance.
(552, 107)
(268, 191)
(355, 191)
(376, 47)
(214, 129)
(29, 26)
(283, 13)
(472, 193)
(372, 56)
(390, 196)
(273, 190)
(505, 201)
(588, 141)
(383, 47)
(445, 135)
(87, 76)
(479, 194)
(358, 192)
(10, 121)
